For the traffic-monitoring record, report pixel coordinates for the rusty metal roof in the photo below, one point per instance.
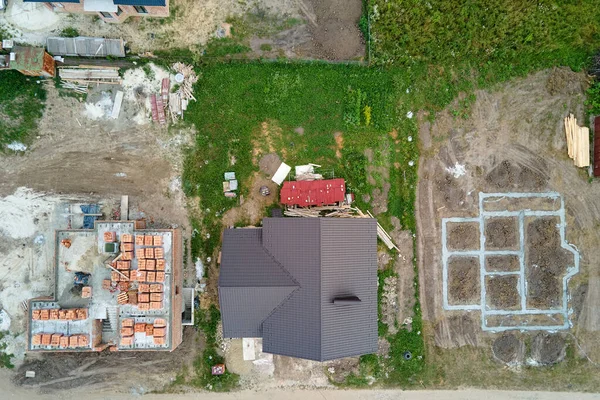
(27, 58)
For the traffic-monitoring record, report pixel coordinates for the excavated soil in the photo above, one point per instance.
(462, 235)
(501, 234)
(502, 292)
(463, 280)
(509, 263)
(545, 263)
(548, 349)
(508, 349)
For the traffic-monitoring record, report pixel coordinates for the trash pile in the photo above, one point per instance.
(185, 78)
(230, 185)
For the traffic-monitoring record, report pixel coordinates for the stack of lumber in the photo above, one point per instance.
(578, 142)
(179, 100)
(84, 76)
(381, 233)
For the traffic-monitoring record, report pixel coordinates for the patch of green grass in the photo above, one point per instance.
(5, 358)
(69, 32)
(208, 320)
(222, 47)
(266, 47)
(21, 106)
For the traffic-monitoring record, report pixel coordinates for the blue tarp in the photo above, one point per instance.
(88, 220)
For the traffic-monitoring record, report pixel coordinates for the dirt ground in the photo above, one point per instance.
(513, 141)
(329, 29)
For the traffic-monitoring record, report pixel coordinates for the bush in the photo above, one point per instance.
(69, 32)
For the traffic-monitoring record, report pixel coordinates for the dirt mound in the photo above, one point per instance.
(509, 175)
(269, 163)
(508, 349)
(564, 81)
(547, 349)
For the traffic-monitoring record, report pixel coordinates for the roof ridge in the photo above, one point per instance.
(298, 287)
(262, 231)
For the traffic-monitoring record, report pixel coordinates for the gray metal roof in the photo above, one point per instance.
(324, 258)
(85, 47)
(155, 3)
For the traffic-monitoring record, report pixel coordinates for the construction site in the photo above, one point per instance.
(112, 292)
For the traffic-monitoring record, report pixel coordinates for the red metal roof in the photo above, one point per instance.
(313, 193)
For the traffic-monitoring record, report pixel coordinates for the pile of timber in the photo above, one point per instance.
(179, 100)
(85, 75)
(578, 142)
(344, 211)
(75, 87)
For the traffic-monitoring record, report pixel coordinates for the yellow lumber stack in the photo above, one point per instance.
(578, 142)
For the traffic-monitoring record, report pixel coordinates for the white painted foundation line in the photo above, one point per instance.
(563, 312)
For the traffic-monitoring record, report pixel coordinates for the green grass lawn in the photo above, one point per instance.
(21, 106)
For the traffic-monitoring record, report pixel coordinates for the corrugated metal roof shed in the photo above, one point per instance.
(313, 193)
(85, 47)
(327, 258)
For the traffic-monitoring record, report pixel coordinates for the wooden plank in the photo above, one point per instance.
(161, 110)
(117, 106)
(124, 208)
(154, 108)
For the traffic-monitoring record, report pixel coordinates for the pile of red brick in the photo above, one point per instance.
(72, 314)
(58, 340)
(158, 331)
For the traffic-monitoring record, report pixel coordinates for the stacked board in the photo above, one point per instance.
(578, 142)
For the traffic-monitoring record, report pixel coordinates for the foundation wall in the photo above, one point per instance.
(126, 11)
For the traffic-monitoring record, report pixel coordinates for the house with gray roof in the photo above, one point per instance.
(307, 286)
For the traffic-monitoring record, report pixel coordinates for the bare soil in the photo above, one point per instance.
(509, 349)
(502, 263)
(457, 331)
(501, 234)
(545, 263)
(513, 141)
(502, 292)
(462, 235)
(548, 349)
(463, 280)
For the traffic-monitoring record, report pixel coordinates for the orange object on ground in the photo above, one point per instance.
(127, 341)
(144, 288)
(162, 331)
(144, 298)
(160, 322)
(55, 340)
(140, 253)
(142, 264)
(139, 240)
(35, 314)
(46, 339)
(124, 276)
(156, 288)
(110, 236)
(160, 265)
(86, 292)
(36, 339)
(82, 313)
(157, 240)
(66, 243)
(127, 247)
(127, 322)
(64, 342)
(127, 238)
(53, 314)
(140, 327)
(123, 286)
(159, 252)
(156, 296)
(126, 331)
(149, 330)
(73, 341)
(143, 306)
(155, 305)
(151, 276)
(148, 240)
(128, 255)
(106, 284)
(160, 276)
(149, 252)
(83, 341)
(150, 265)
(133, 298)
(62, 314)
(114, 276)
(159, 340)
(44, 315)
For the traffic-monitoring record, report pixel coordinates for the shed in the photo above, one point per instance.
(313, 193)
(85, 47)
(32, 61)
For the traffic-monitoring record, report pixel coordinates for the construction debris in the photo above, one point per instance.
(578, 142)
(91, 75)
(79, 88)
(307, 172)
(178, 101)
